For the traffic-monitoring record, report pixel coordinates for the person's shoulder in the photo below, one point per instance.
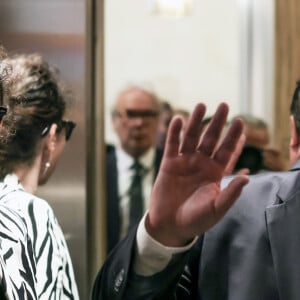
(159, 151)
(20, 200)
(110, 148)
(268, 177)
(110, 152)
(287, 178)
(263, 188)
(40, 206)
(159, 154)
(13, 221)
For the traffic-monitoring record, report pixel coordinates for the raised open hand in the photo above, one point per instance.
(186, 199)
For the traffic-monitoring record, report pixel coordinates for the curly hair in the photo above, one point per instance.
(35, 100)
(5, 71)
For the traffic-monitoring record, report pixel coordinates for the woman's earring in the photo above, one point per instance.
(47, 166)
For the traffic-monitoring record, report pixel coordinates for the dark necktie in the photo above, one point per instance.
(136, 195)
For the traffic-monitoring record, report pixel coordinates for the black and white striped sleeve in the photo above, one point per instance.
(17, 262)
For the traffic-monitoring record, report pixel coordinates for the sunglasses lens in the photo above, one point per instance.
(68, 132)
(69, 126)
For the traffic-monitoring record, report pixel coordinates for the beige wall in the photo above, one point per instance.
(287, 66)
(184, 60)
(222, 51)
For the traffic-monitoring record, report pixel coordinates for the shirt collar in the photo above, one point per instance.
(126, 161)
(12, 181)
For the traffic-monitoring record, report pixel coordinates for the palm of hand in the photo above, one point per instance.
(186, 208)
(186, 199)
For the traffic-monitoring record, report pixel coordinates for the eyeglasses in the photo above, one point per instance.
(3, 111)
(138, 113)
(63, 124)
(68, 126)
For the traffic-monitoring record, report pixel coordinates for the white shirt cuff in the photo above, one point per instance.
(151, 256)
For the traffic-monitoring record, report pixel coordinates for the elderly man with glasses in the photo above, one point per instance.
(132, 164)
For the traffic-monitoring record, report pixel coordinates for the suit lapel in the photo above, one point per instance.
(283, 223)
(157, 161)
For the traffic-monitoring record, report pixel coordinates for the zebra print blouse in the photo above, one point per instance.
(54, 270)
(17, 263)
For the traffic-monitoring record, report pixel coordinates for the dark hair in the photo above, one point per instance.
(250, 158)
(165, 106)
(35, 100)
(295, 106)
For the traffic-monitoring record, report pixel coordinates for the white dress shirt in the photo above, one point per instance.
(151, 256)
(125, 174)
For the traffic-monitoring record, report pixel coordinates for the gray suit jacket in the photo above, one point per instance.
(253, 253)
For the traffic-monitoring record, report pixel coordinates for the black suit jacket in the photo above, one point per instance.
(252, 253)
(113, 221)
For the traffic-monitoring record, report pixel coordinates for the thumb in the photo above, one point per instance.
(230, 194)
(244, 171)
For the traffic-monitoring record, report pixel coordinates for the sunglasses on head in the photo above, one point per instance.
(63, 124)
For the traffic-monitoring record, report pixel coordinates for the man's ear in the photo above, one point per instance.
(294, 142)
